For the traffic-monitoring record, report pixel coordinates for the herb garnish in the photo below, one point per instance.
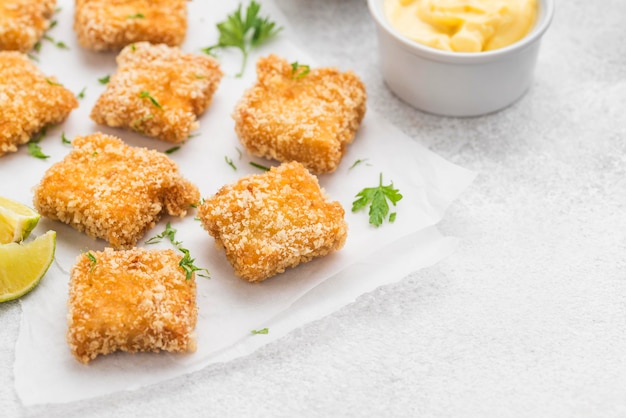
(299, 70)
(35, 150)
(53, 83)
(260, 331)
(105, 79)
(93, 260)
(58, 44)
(259, 166)
(377, 198)
(142, 119)
(186, 263)
(244, 33)
(33, 146)
(357, 162)
(172, 150)
(230, 162)
(64, 139)
(136, 16)
(81, 95)
(145, 94)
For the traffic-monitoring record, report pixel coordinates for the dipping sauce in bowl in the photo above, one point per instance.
(429, 74)
(463, 25)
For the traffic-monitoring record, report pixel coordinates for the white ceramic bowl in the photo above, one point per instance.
(457, 83)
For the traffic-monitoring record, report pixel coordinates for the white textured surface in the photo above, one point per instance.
(527, 318)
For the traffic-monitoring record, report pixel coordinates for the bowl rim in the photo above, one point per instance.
(546, 13)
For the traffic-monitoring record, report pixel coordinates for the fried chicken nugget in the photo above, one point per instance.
(291, 115)
(269, 222)
(23, 22)
(133, 300)
(113, 191)
(28, 100)
(158, 91)
(107, 25)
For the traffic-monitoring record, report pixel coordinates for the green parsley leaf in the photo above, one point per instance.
(244, 32)
(357, 162)
(105, 79)
(141, 120)
(81, 95)
(172, 150)
(230, 162)
(299, 71)
(146, 95)
(260, 331)
(93, 260)
(377, 198)
(53, 83)
(35, 150)
(186, 263)
(169, 233)
(259, 166)
(136, 16)
(64, 139)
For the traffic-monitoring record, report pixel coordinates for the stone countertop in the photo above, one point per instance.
(526, 318)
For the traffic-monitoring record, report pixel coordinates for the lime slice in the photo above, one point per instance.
(23, 265)
(16, 221)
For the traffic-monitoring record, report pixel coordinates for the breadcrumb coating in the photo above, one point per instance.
(158, 91)
(133, 300)
(269, 222)
(107, 25)
(23, 22)
(29, 100)
(113, 191)
(308, 118)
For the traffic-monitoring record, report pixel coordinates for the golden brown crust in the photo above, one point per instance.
(113, 191)
(310, 119)
(28, 100)
(269, 222)
(182, 85)
(134, 300)
(23, 22)
(105, 25)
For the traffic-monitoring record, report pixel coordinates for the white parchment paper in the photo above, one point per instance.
(229, 308)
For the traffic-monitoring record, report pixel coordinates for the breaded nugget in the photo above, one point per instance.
(273, 221)
(133, 300)
(28, 100)
(113, 191)
(23, 22)
(158, 91)
(310, 118)
(106, 25)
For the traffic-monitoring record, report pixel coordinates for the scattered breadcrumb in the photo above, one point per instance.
(106, 25)
(113, 191)
(23, 22)
(158, 91)
(307, 118)
(133, 300)
(269, 222)
(29, 100)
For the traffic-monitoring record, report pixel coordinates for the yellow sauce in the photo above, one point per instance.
(463, 25)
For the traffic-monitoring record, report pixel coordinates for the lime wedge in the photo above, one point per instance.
(16, 221)
(22, 266)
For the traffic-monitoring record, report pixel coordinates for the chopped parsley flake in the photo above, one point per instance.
(35, 150)
(259, 166)
(146, 95)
